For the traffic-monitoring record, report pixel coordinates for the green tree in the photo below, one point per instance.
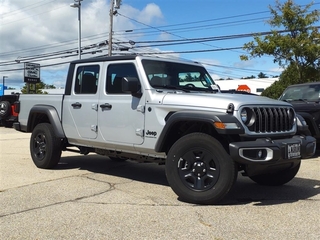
(297, 47)
(286, 78)
(188, 78)
(262, 75)
(39, 88)
(249, 77)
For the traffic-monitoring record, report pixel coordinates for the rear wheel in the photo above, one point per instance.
(199, 170)
(277, 178)
(45, 147)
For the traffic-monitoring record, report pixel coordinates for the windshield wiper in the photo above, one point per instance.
(186, 88)
(171, 87)
(194, 88)
(178, 88)
(295, 100)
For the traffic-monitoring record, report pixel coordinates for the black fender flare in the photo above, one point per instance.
(52, 115)
(308, 117)
(199, 116)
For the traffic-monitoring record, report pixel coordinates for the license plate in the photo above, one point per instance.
(294, 150)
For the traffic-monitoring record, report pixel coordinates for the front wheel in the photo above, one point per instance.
(277, 178)
(199, 170)
(45, 147)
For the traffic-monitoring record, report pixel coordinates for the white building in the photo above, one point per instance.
(256, 85)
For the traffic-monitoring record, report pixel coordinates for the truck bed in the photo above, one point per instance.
(28, 101)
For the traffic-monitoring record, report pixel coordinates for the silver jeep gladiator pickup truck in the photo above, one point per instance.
(169, 112)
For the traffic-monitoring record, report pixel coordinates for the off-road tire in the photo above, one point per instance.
(277, 178)
(199, 170)
(5, 109)
(45, 147)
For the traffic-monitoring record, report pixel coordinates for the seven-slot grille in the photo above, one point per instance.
(271, 119)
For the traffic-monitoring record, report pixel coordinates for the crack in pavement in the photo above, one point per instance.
(45, 181)
(201, 220)
(112, 186)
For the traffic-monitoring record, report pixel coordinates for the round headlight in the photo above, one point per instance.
(244, 115)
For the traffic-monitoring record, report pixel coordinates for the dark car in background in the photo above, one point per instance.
(305, 99)
(8, 109)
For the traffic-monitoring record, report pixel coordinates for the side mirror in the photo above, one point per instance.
(131, 85)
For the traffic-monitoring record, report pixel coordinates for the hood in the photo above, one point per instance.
(218, 100)
(305, 106)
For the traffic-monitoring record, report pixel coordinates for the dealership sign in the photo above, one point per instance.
(2, 89)
(244, 88)
(31, 73)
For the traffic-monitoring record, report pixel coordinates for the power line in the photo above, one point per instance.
(56, 54)
(30, 16)
(148, 27)
(29, 6)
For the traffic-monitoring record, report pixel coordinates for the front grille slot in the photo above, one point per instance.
(271, 119)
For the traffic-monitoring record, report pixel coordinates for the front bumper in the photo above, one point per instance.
(265, 150)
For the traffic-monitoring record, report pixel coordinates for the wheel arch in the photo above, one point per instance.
(45, 114)
(310, 122)
(181, 123)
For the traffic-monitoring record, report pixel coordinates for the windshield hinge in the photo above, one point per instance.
(139, 132)
(141, 108)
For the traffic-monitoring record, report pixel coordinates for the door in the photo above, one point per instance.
(121, 115)
(82, 104)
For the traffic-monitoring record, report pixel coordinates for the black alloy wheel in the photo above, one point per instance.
(45, 147)
(199, 170)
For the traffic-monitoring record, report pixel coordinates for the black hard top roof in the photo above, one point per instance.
(129, 57)
(304, 84)
(105, 58)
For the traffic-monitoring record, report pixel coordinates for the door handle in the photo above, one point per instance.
(76, 105)
(106, 106)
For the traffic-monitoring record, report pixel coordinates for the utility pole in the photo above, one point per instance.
(77, 4)
(112, 13)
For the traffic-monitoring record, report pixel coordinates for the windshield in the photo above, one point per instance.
(302, 93)
(170, 75)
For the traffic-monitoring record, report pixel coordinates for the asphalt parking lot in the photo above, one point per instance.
(92, 197)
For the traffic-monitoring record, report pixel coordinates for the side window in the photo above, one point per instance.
(115, 74)
(87, 79)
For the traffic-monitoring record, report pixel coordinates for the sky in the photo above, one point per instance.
(46, 32)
